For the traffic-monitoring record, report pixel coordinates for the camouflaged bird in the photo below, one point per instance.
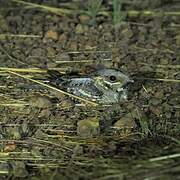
(104, 86)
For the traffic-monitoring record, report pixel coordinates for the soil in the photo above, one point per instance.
(46, 134)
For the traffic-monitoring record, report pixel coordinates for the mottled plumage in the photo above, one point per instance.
(105, 86)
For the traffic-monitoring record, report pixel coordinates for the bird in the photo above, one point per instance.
(103, 86)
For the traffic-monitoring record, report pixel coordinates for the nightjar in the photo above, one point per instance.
(104, 86)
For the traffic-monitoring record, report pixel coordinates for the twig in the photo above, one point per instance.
(58, 11)
(31, 70)
(81, 61)
(165, 157)
(20, 35)
(51, 143)
(63, 11)
(134, 13)
(163, 66)
(13, 104)
(158, 79)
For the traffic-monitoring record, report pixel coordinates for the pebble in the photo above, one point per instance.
(177, 38)
(127, 33)
(51, 64)
(177, 114)
(79, 29)
(154, 101)
(39, 52)
(51, 35)
(19, 169)
(73, 46)
(40, 102)
(4, 25)
(155, 110)
(14, 133)
(78, 150)
(63, 57)
(51, 51)
(174, 99)
(10, 147)
(65, 104)
(164, 61)
(88, 127)
(146, 69)
(159, 94)
(84, 19)
(125, 122)
(45, 113)
(63, 38)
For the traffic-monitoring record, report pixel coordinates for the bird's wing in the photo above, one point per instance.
(84, 87)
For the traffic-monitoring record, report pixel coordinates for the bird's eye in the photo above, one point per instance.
(112, 78)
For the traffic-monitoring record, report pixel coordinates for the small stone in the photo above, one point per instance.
(146, 69)
(88, 127)
(79, 29)
(125, 122)
(78, 150)
(84, 19)
(10, 147)
(159, 94)
(177, 38)
(39, 52)
(168, 115)
(40, 102)
(4, 25)
(166, 107)
(63, 57)
(164, 61)
(45, 113)
(156, 111)
(51, 35)
(19, 169)
(177, 114)
(65, 104)
(154, 101)
(127, 33)
(174, 99)
(14, 133)
(73, 46)
(51, 51)
(51, 64)
(63, 38)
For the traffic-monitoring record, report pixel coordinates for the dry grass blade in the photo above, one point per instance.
(49, 165)
(165, 80)
(63, 11)
(81, 61)
(163, 66)
(13, 105)
(134, 13)
(26, 70)
(51, 143)
(154, 50)
(165, 157)
(20, 35)
(32, 70)
(55, 89)
(58, 11)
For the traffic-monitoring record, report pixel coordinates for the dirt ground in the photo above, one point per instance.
(45, 134)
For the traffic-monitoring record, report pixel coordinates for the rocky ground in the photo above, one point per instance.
(45, 134)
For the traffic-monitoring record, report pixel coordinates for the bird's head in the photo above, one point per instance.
(112, 79)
